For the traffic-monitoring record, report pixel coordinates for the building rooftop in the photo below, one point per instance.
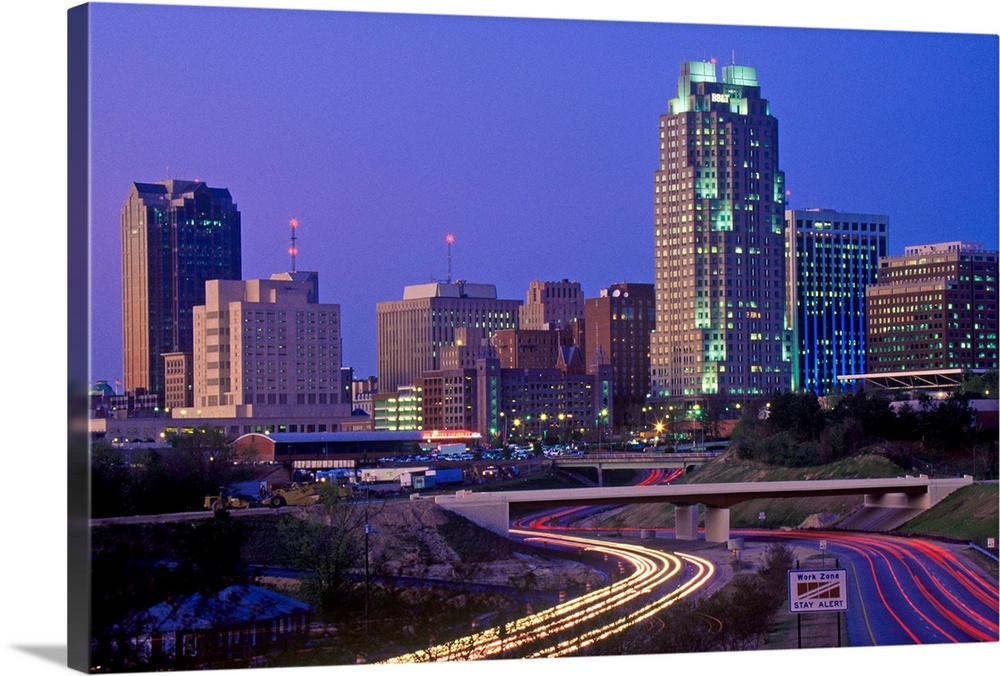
(459, 289)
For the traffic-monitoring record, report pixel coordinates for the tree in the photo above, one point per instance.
(797, 413)
(947, 425)
(329, 543)
(874, 413)
(111, 482)
(980, 385)
(199, 463)
(907, 423)
(210, 552)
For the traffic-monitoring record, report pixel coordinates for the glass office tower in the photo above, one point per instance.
(176, 235)
(832, 258)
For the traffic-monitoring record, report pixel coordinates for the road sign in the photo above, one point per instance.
(822, 544)
(813, 591)
(991, 543)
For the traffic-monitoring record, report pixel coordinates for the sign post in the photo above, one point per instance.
(817, 591)
(813, 591)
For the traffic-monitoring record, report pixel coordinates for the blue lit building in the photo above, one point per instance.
(832, 258)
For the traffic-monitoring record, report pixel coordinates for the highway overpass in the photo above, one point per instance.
(603, 461)
(492, 510)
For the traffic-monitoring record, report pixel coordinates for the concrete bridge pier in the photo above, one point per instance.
(492, 512)
(716, 524)
(686, 522)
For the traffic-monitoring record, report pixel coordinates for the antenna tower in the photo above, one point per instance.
(450, 240)
(292, 249)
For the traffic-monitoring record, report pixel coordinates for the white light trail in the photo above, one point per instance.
(653, 570)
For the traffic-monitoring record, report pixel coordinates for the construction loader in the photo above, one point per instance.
(222, 502)
(293, 494)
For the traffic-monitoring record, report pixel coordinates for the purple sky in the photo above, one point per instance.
(533, 141)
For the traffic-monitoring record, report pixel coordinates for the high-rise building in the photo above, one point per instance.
(550, 305)
(620, 322)
(832, 258)
(530, 348)
(411, 332)
(719, 203)
(264, 343)
(934, 308)
(176, 235)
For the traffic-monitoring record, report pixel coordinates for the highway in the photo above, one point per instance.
(657, 580)
(901, 590)
(904, 591)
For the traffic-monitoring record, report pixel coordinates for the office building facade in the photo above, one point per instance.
(176, 235)
(530, 348)
(620, 322)
(832, 259)
(400, 410)
(566, 401)
(719, 202)
(448, 399)
(934, 308)
(551, 305)
(263, 344)
(411, 332)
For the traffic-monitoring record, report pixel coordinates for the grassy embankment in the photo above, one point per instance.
(970, 514)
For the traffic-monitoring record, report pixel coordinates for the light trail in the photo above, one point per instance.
(651, 587)
(944, 600)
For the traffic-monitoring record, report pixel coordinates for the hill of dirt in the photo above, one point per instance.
(418, 539)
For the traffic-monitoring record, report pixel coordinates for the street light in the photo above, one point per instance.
(696, 416)
(368, 531)
(602, 415)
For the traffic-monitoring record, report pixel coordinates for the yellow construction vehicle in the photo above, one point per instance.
(293, 494)
(221, 502)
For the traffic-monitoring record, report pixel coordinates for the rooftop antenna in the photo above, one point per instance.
(450, 239)
(292, 249)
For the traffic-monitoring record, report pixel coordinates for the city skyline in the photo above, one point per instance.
(36, 74)
(529, 140)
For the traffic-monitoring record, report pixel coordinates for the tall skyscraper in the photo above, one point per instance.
(934, 308)
(176, 235)
(719, 202)
(620, 322)
(832, 258)
(412, 332)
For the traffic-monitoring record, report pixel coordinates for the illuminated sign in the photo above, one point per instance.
(811, 591)
(444, 435)
(720, 98)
